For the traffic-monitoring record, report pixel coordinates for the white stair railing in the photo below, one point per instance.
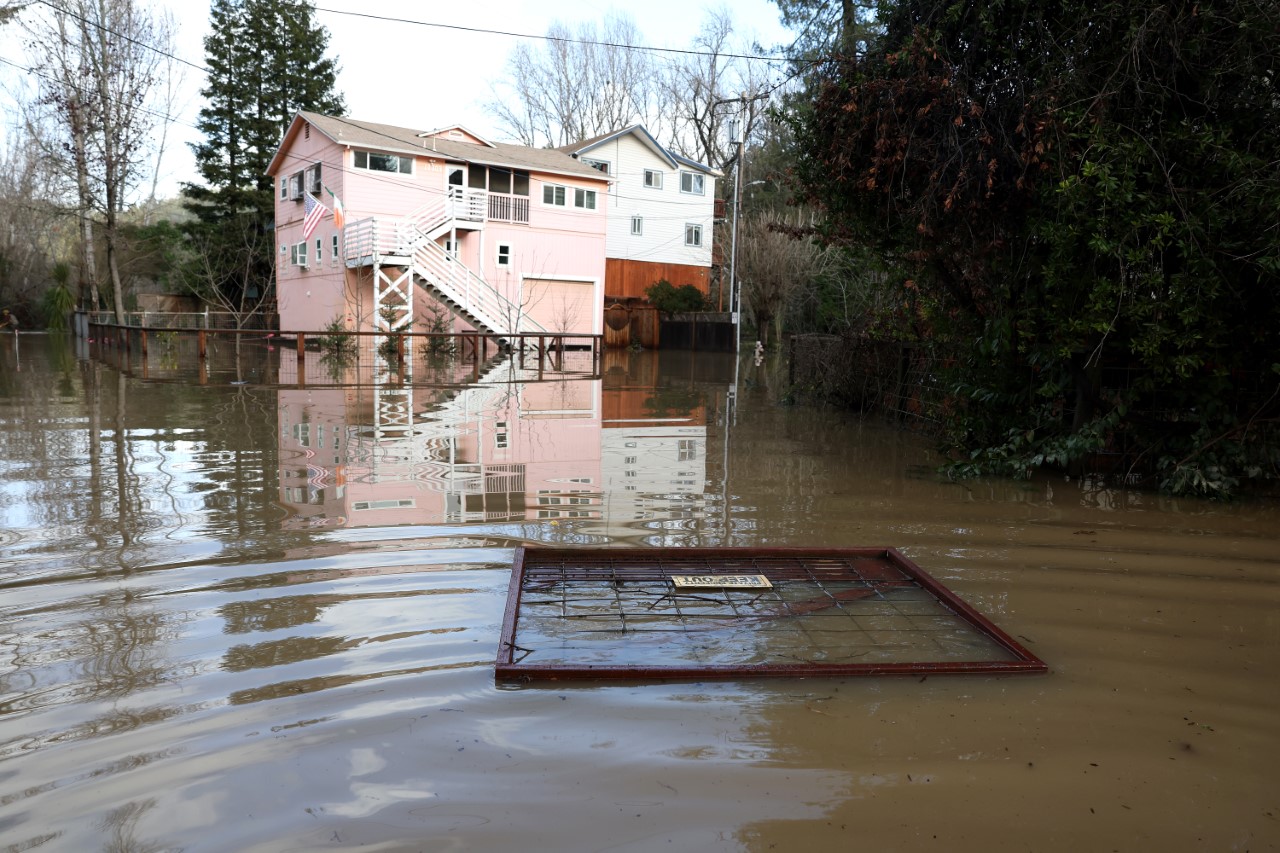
(367, 240)
(473, 296)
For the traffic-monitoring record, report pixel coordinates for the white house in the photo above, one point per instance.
(661, 212)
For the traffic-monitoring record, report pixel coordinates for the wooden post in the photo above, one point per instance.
(142, 336)
(302, 352)
(542, 353)
(202, 346)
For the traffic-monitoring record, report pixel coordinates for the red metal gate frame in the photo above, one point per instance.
(731, 561)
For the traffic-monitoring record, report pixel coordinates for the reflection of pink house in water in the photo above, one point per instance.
(503, 237)
(506, 448)
(496, 450)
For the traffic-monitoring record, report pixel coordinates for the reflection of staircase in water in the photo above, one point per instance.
(407, 445)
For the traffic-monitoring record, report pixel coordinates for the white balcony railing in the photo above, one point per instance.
(509, 208)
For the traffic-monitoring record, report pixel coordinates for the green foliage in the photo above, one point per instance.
(1087, 208)
(670, 299)
(335, 343)
(389, 346)
(267, 62)
(438, 322)
(59, 300)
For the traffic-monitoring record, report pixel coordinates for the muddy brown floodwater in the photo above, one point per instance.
(243, 613)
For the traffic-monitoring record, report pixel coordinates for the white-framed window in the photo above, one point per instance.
(558, 195)
(298, 254)
(295, 186)
(335, 247)
(319, 250)
(653, 179)
(504, 254)
(692, 234)
(637, 226)
(284, 189)
(598, 165)
(378, 162)
(554, 194)
(451, 248)
(400, 503)
(692, 182)
(311, 179)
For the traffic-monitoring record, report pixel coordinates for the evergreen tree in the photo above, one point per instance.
(267, 62)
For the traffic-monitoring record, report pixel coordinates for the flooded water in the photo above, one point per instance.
(244, 612)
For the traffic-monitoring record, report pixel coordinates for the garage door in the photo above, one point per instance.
(565, 307)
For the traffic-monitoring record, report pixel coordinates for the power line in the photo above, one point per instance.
(560, 39)
(127, 38)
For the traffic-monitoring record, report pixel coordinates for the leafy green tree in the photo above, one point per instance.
(1081, 198)
(670, 299)
(266, 62)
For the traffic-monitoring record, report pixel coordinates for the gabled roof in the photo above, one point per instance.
(638, 130)
(442, 133)
(412, 142)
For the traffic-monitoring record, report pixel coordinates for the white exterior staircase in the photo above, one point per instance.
(408, 246)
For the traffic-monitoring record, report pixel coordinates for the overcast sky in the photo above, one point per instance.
(432, 75)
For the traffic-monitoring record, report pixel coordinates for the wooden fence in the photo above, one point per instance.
(547, 348)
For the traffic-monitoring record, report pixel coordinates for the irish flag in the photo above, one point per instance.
(339, 217)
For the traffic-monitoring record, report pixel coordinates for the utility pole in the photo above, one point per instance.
(735, 292)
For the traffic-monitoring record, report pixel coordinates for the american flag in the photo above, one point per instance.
(315, 211)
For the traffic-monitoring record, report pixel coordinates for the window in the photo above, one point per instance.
(637, 226)
(653, 179)
(295, 186)
(298, 254)
(504, 254)
(451, 248)
(402, 503)
(691, 182)
(598, 165)
(311, 179)
(553, 194)
(335, 247)
(692, 235)
(284, 189)
(375, 162)
(499, 180)
(558, 195)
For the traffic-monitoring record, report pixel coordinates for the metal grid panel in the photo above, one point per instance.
(616, 613)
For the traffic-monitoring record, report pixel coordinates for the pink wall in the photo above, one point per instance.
(557, 242)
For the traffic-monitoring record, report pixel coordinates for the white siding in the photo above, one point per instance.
(665, 212)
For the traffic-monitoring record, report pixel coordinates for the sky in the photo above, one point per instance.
(428, 76)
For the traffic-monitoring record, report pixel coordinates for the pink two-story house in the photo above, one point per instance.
(442, 230)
